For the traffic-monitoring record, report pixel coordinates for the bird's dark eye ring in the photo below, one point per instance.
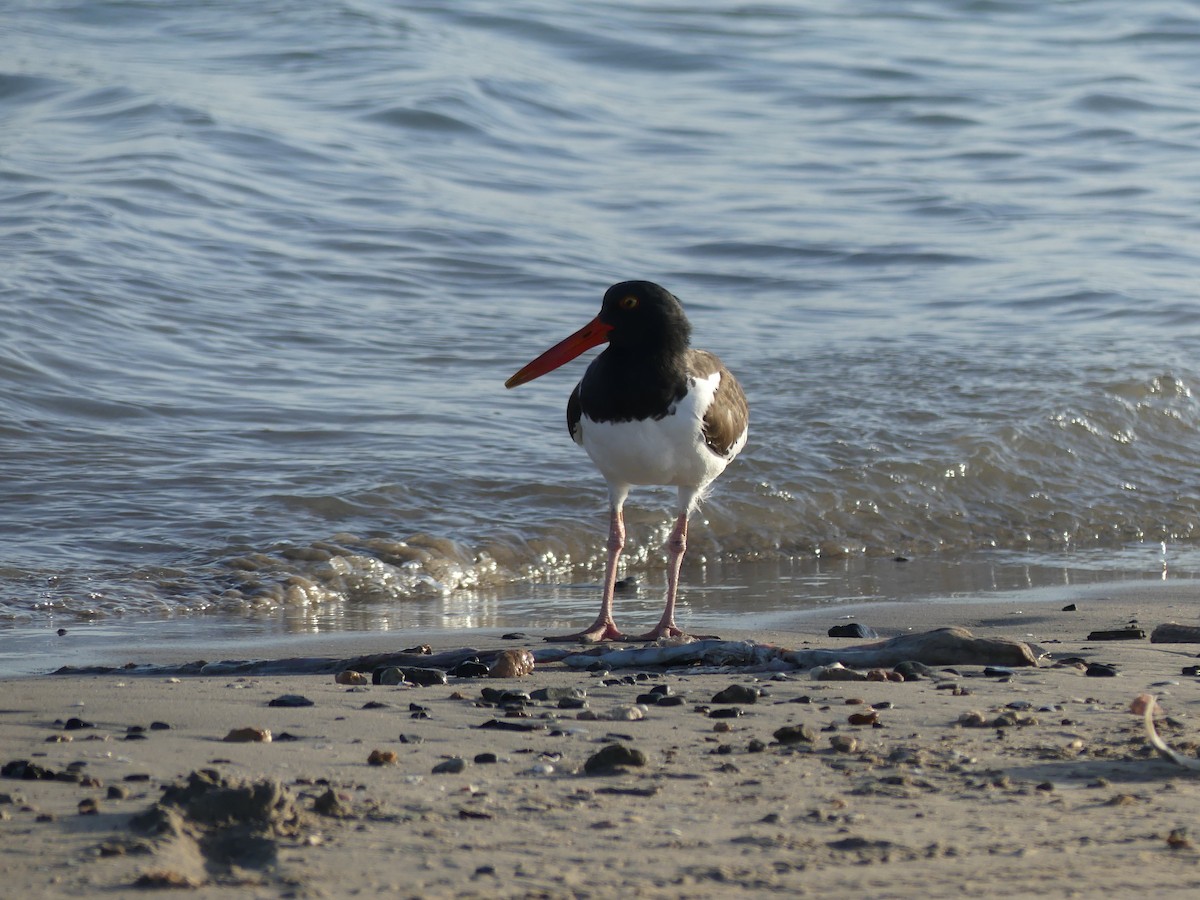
(629, 302)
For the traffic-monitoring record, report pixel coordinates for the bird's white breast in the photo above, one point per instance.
(669, 451)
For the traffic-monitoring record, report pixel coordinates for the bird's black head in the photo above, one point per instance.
(644, 314)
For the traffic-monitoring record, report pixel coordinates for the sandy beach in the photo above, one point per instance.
(963, 781)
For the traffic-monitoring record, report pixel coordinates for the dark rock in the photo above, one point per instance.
(26, 771)
(471, 668)
(852, 630)
(912, 670)
(291, 700)
(755, 746)
(423, 677)
(555, 694)
(614, 759)
(671, 700)
(506, 725)
(514, 636)
(451, 766)
(998, 672)
(726, 712)
(1070, 607)
(483, 759)
(1118, 634)
(795, 734)
(74, 724)
(736, 693)
(1100, 670)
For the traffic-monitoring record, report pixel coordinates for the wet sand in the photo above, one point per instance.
(1052, 791)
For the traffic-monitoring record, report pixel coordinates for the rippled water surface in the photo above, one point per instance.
(267, 265)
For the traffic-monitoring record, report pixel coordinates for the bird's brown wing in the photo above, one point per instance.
(728, 416)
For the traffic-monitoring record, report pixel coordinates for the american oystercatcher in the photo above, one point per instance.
(648, 410)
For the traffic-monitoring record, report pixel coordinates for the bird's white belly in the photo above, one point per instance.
(669, 451)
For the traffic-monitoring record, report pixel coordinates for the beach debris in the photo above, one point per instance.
(382, 758)
(1128, 633)
(419, 675)
(1100, 670)
(864, 718)
(248, 735)
(512, 664)
(614, 759)
(351, 677)
(1174, 633)
(1144, 705)
(469, 668)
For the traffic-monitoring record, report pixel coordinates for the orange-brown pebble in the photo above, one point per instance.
(349, 676)
(248, 736)
(864, 718)
(382, 758)
(512, 664)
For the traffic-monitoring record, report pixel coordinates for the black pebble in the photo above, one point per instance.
(1100, 670)
(484, 758)
(852, 630)
(471, 668)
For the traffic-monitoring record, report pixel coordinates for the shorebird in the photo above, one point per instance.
(648, 410)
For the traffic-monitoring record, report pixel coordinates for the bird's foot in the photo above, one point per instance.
(602, 630)
(672, 632)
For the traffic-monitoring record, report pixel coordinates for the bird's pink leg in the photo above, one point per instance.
(604, 628)
(676, 545)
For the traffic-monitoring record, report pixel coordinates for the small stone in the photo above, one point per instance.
(422, 676)
(843, 743)
(913, 670)
(755, 746)
(118, 792)
(625, 714)
(670, 700)
(469, 668)
(1100, 670)
(727, 712)
(973, 719)
(795, 734)
(291, 700)
(248, 736)
(382, 758)
(483, 759)
(736, 693)
(512, 664)
(89, 806)
(451, 766)
(557, 694)
(349, 676)
(722, 727)
(613, 760)
(852, 630)
(389, 675)
(159, 726)
(74, 724)
(864, 718)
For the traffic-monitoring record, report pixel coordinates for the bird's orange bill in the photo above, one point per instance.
(590, 335)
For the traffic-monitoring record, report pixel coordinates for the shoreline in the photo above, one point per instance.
(1063, 798)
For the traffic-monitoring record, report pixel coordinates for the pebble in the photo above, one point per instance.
(248, 736)
(614, 760)
(118, 792)
(349, 676)
(852, 630)
(389, 675)
(469, 668)
(382, 758)
(291, 700)
(89, 806)
(864, 718)
(1100, 670)
(625, 714)
(557, 694)
(451, 766)
(512, 664)
(795, 734)
(736, 693)
(670, 700)
(728, 712)
(843, 743)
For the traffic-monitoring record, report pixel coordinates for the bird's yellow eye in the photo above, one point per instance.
(629, 302)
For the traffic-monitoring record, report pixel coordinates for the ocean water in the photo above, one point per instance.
(264, 268)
